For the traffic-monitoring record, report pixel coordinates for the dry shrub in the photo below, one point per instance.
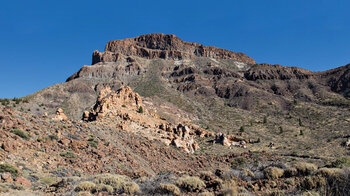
(330, 172)
(190, 183)
(104, 188)
(273, 172)
(229, 188)
(206, 194)
(130, 188)
(313, 182)
(85, 193)
(248, 172)
(85, 186)
(169, 189)
(290, 172)
(305, 169)
(116, 181)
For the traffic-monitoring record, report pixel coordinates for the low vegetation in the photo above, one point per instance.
(21, 134)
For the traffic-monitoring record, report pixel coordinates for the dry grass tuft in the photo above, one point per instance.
(130, 188)
(305, 169)
(273, 172)
(190, 183)
(169, 189)
(85, 186)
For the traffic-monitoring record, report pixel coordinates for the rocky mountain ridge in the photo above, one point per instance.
(162, 46)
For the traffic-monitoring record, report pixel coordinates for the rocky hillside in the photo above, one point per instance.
(165, 116)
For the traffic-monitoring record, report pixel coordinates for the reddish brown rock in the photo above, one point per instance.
(6, 177)
(23, 181)
(10, 145)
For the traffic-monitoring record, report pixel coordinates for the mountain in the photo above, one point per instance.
(155, 108)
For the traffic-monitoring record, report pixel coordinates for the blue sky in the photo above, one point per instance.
(44, 42)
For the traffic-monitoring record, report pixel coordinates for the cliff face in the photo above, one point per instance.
(162, 46)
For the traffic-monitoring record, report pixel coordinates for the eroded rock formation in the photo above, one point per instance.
(127, 106)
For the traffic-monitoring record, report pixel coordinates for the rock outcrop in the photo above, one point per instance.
(127, 106)
(229, 140)
(111, 103)
(163, 46)
(60, 116)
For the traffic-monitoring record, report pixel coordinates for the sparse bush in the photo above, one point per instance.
(191, 183)
(53, 137)
(238, 162)
(273, 172)
(9, 168)
(169, 189)
(85, 186)
(341, 162)
(305, 168)
(67, 154)
(241, 129)
(92, 141)
(265, 120)
(21, 134)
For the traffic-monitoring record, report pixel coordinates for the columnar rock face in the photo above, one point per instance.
(162, 46)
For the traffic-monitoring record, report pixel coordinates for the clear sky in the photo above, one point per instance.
(44, 42)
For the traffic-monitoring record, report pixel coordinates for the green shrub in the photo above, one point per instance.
(241, 129)
(67, 154)
(190, 183)
(273, 172)
(300, 122)
(140, 110)
(301, 132)
(281, 129)
(9, 168)
(169, 189)
(265, 119)
(21, 134)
